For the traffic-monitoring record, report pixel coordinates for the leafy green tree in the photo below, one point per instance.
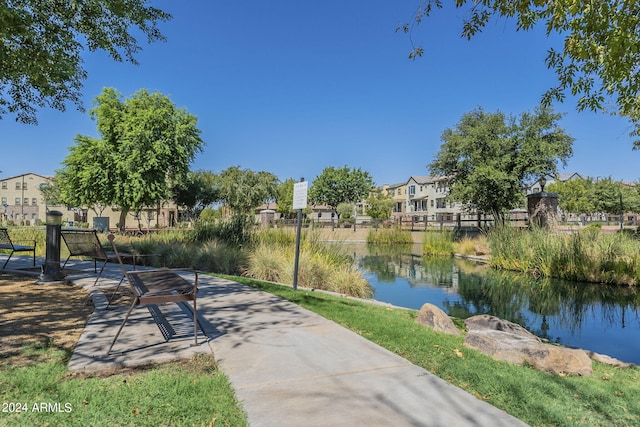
(607, 195)
(345, 210)
(146, 145)
(197, 191)
(574, 196)
(210, 214)
(51, 194)
(599, 58)
(488, 157)
(284, 198)
(631, 197)
(340, 185)
(85, 178)
(41, 44)
(243, 190)
(379, 205)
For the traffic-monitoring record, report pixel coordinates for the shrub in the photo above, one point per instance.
(438, 243)
(268, 263)
(236, 231)
(389, 236)
(588, 256)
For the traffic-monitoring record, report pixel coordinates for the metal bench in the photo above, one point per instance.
(7, 244)
(159, 286)
(86, 243)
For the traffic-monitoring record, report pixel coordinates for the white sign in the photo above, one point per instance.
(300, 194)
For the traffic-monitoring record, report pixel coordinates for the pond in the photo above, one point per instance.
(599, 318)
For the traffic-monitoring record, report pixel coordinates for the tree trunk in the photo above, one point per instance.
(123, 219)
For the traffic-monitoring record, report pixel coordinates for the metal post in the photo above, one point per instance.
(621, 212)
(355, 216)
(51, 271)
(297, 256)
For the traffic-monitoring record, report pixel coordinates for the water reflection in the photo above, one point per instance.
(595, 317)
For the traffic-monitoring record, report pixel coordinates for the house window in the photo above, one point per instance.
(25, 201)
(34, 201)
(431, 202)
(4, 185)
(17, 201)
(4, 200)
(412, 190)
(17, 185)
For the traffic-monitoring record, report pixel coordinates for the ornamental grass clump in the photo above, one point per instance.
(270, 263)
(587, 256)
(438, 243)
(467, 245)
(218, 257)
(320, 266)
(389, 236)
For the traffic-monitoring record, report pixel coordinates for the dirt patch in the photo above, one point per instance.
(39, 316)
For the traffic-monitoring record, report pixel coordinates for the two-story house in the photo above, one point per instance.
(398, 193)
(417, 195)
(427, 195)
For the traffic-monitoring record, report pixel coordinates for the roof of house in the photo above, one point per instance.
(563, 177)
(421, 179)
(25, 174)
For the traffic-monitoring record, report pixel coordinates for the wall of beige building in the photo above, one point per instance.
(22, 203)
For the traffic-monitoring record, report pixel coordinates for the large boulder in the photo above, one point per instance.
(509, 342)
(436, 319)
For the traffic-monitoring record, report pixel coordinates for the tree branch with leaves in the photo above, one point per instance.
(600, 57)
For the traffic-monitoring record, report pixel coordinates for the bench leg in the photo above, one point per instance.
(122, 325)
(114, 293)
(7, 261)
(100, 274)
(195, 323)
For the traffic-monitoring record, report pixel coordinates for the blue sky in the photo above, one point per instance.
(292, 87)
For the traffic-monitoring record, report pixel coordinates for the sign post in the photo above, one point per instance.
(299, 203)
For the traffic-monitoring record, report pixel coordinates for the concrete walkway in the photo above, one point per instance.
(288, 366)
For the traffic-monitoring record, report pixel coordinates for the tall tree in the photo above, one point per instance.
(197, 191)
(284, 197)
(243, 190)
(574, 196)
(41, 42)
(488, 157)
(379, 205)
(340, 185)
(85, 178)
(608, 196)
(146, 145)
(599, 59)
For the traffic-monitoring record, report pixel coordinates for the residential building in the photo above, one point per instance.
(427, 196)
(21, 200)
(22, 203)
(398, 193)
(537, 186)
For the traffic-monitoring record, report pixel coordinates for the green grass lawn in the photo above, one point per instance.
(188, 393)
(196, 393)
(610, 397)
